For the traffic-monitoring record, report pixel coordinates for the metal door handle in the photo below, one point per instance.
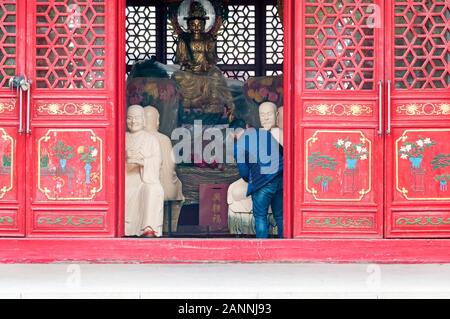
(28, 107)
(388, 131)
(380, 108)
(16, 82)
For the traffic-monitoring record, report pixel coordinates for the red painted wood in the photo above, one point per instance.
(419, 109)
(12, 198)
(288, 110)
(244, 251)
(121, 122)
(71, 56)
(332, 41)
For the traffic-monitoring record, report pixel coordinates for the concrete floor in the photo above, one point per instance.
(225, 281)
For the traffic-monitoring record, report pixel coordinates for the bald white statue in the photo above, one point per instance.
(280, 118)
(268, 117)
(144, 194)
(173, 189)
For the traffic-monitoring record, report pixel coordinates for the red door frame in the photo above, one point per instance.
(288, 119)
(16, 208)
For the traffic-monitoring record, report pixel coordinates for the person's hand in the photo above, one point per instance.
(238, 134)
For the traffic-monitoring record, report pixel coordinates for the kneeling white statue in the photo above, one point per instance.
(144, 194)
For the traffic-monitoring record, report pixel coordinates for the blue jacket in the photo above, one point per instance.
(259, 158)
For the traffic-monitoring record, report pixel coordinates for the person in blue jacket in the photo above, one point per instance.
(259, 159)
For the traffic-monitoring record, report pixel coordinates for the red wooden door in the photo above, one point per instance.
(71, 59)
(339, 146)
(58, 178)
(418, 144)
(12, 168)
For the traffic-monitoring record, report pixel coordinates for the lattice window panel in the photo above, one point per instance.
(339, 53)
(7, 41)
(274, 73)
(239, 75)
(171, 45)
(236, 43)
(274, 36)
(70, 44)
(422, 44)
(141, 33)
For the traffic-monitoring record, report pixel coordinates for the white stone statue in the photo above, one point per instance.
(268, 117)
(144, 194)
(173, 189)
(240, 216)
(280, 118)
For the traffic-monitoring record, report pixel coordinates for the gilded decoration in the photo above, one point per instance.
(70, 109)
(423, 221)
(8, 106)
(352, 152)
(415, 150)
(346, 222)
(7, 163)
(75, 221)
(339, 109)
(427, 109)
(70, 164)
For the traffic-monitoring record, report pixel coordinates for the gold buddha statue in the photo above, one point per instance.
(201, 82)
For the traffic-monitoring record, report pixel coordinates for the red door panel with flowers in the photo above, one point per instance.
(57, 161)
(72, 180)
(12, 164)
(418, 128)
(338, 120)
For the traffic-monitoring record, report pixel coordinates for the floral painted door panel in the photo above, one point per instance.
(341, 162)
(418, 148)
(55, 171)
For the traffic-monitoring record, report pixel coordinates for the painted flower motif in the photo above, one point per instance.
(445, 108)
(323, 109)
(355, 109)
(94, 152)
(53, 108)
(412, 109)
(86, 108)
(415, 149)
(352, 151)
(80, 150)
(152, 89)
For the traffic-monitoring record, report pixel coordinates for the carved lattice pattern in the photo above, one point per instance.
(239, 75)
(7, 41)
(141, 33)
(274, 36)
(171, 45)
(236, 43)
(339, 53)
(70, 44)
(422, 44)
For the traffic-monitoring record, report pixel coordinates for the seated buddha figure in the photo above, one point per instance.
(200, 81)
